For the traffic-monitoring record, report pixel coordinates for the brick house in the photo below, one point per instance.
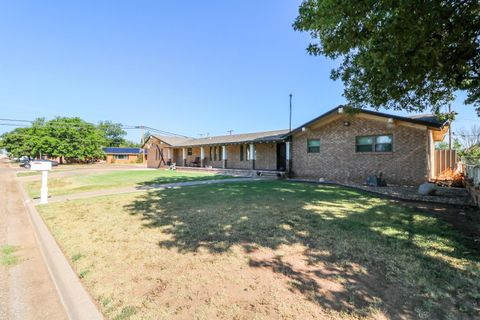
(335, 146)
(123, 155)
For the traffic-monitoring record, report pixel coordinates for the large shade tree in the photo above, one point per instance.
(410, 55)
(113, 133)
(67, 138)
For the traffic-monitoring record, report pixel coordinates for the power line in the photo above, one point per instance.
(65, 124)
(14, 125)
(17, 120)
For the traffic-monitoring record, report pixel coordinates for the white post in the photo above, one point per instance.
(288, 156)
(252, 155)
(224, 152)
(168, 154)
(224, 157)
(184, 156)
(44, 190)
(202, 156)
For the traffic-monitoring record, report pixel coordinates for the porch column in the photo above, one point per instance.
(202, 156)
(252, 155)
(184, 156)
(169, 155)
(288, 154)
(224, 157)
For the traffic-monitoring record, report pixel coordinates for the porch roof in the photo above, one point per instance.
(244, 138)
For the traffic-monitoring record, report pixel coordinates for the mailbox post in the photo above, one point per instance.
(44, 167)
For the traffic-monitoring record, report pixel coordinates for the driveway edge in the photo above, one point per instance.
(77, 302)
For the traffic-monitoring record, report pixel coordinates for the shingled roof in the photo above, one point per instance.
(428, 120)
(255, 137)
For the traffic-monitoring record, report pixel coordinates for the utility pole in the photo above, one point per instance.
(230, 131)
(290, 125)
(142, 127)
(449, 128)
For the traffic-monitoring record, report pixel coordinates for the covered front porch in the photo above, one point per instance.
(273, 156)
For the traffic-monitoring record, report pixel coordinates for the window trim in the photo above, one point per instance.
(308, 147)
(374, 143)
(189, 151)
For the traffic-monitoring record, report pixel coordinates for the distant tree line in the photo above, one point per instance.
(70, 139)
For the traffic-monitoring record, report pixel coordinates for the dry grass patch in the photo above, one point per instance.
(265, 250)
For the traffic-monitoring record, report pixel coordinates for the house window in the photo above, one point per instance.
(382, 143)
(189, 151)
(241, 152)
(215, 153)
(120, 156)
(210, 151)
(220, 153)
(313, 145)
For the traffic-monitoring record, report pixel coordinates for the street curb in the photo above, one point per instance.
(76, 301)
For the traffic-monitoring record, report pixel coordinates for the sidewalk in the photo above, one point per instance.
(26, 289)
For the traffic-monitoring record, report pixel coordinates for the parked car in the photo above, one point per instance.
(27, 164)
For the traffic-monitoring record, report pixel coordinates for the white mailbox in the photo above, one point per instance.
(43, 166)
(40, 165)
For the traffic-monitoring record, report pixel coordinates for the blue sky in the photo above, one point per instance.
(188, 67)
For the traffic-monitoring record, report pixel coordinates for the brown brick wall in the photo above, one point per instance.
(154, 158)
(233, 161)
(266, 156)
(338, 161)
(132, 158)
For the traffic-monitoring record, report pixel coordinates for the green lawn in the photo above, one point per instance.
(265, 250)
(81, 182)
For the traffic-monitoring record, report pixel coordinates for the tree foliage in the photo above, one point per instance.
(469, 139)
(113, 133)
(409, 55)
(130, 144)
(70, 138)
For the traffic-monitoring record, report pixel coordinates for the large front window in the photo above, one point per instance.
(381, 143)
(120, 156)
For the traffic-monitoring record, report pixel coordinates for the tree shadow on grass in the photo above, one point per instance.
(360, 253)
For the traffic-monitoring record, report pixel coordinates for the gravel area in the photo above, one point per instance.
(443, 195)
(453, 196)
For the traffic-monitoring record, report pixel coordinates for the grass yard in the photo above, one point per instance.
(81, 182)
(265, 250)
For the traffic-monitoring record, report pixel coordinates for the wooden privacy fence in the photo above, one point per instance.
(444, 160)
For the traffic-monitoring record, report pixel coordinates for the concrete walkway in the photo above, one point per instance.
(26, 288)
(106, 192)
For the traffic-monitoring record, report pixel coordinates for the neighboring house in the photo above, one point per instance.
(335, 146)
(123, 155)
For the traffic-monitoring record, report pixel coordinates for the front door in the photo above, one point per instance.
(281, 156)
